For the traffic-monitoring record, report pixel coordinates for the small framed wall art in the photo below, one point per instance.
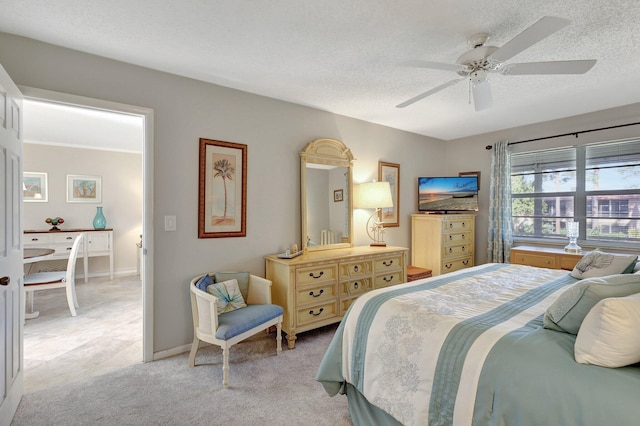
(390, 172)
(35, 187)
(222, 189)
(338, 196)
(84, 189)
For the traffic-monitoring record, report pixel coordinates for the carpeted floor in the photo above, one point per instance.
(264, 389)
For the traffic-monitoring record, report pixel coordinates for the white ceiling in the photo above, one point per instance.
(344, 56)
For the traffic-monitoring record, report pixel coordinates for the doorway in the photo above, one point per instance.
(144, 233)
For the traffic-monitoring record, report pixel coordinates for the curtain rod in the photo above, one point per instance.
(488, 147)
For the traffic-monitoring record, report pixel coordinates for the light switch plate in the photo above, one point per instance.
(169, 223)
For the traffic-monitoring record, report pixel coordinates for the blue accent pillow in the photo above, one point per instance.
(204, 282)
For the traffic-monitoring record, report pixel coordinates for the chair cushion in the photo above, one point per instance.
(45, 277)
(230, 324)
(228, 295)
(241, 277)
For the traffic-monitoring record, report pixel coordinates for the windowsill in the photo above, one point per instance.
(613, 246)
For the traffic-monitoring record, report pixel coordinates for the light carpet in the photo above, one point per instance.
(264, 389)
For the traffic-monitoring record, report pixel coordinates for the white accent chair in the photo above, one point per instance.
(57, 279)
(227, 329)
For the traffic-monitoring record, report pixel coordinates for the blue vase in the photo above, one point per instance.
(99, 222)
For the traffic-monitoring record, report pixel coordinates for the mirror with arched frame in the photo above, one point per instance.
(326, 201)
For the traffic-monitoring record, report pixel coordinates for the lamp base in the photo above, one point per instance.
(378, 244)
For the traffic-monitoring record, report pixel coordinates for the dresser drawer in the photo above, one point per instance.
(344, 305)
(390, 263)
(457, 239)
(316, 294)
(454, 265)
(355, 269)
(457, 225)
(317, 313)
(316, 274)
(539, 260)
(355, 287)
(386, 280)
(36, 240)
(456, 251)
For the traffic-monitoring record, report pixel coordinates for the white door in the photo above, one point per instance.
(11, 270)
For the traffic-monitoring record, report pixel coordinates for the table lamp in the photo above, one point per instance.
(374, 195)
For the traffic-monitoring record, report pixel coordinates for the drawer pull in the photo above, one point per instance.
(312, 294)
(448, 265)
(68, 248)
(355, 268)
(463, 225)
(451, 225)
(462, 236)
(450, 237)
(314, 314)
(5, 280)
(35, 239)
(450, 250)
(387, 262)
(463, 248)
(69, 238)
(356, 285)
(465, 262)
(316, 276)
(388, 279)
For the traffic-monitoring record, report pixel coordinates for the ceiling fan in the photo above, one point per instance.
(476, 64)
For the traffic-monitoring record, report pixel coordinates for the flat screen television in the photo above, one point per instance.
(447, 194)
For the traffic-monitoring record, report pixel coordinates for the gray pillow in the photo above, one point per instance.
(241, 277)
(599, 264)
(567, 312)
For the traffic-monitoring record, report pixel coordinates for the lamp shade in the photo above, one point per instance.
(373, 195)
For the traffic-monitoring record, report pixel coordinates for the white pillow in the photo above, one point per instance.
(228, 294)
(610, 333)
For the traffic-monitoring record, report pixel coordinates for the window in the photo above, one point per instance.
(595, 185)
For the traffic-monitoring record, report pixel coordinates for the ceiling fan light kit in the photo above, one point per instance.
(481, 60)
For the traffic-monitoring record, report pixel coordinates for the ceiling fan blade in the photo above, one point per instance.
(556, 67)
(429, 92)
(434, 65)
(536, 32)
(482, 96)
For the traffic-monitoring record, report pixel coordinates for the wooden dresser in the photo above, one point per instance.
(316, 288)
(545, 257)
(442, 242)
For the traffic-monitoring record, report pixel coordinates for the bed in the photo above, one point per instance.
(469, 348)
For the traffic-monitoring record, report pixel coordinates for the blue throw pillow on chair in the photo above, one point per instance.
(204, 282)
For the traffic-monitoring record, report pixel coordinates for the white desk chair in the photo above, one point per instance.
(58, 279)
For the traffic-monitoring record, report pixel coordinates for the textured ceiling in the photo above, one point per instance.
(344, 56)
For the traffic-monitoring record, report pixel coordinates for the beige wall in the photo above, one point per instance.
(121, 197)
(274, 131)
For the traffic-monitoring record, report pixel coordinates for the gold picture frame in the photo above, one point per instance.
(390, 172)
(222, 189)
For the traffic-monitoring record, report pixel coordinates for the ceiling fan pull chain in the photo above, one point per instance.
(469, 91)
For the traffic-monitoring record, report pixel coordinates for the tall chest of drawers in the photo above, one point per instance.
(316, 288)
(442, 242)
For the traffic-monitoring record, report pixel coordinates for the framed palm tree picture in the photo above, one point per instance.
(222, 189)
